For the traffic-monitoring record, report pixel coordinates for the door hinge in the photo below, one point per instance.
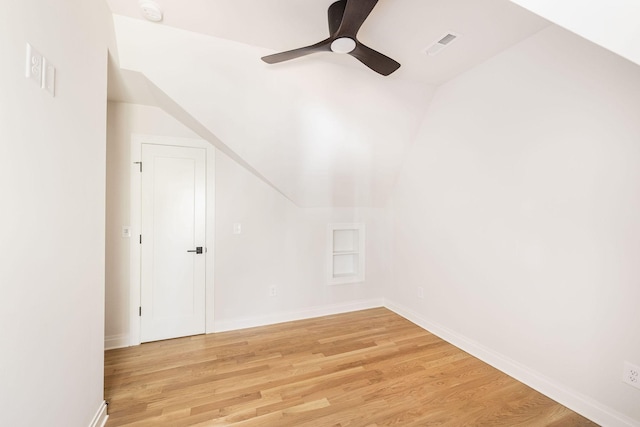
(141, 239)
(140, 164)
(140, 311)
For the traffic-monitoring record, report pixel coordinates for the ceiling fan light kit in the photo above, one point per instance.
(345, 19)
(343, 45)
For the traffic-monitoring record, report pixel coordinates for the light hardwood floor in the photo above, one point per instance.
(368, 368)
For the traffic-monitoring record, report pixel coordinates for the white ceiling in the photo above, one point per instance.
(324, 130)
(401, 29)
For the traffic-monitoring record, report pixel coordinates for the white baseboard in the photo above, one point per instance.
(100, 418)
(573, 400)
(116, 341)
(328, 310)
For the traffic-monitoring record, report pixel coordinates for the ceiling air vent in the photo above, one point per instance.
(443, 42)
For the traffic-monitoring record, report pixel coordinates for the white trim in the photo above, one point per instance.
(573, 400)
(116, 341)
(101, 416)
(309, 313)
(135, 181)
(136, 184)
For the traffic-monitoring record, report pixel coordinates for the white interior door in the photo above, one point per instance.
(173, 227)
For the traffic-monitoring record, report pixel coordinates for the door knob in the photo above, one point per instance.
(197, 250)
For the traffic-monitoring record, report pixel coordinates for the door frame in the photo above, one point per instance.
(135, 257)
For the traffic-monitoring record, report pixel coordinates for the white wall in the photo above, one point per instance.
(52, 178)
(281, 244)
(285, 246)
(517, 211)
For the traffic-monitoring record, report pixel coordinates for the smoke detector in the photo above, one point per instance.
(444, 41)
(150, 10)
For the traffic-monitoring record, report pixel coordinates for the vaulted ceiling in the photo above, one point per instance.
(323, 130)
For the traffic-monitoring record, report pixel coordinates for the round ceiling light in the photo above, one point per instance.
(343, 45)
(151, 10)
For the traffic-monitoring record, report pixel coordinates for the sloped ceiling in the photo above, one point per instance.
(612, 24)
(323, 130)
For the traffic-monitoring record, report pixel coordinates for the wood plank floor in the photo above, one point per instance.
(368, 368)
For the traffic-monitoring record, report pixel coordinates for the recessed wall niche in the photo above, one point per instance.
(346, 253)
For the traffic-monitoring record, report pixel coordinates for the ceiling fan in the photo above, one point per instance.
(345, 19)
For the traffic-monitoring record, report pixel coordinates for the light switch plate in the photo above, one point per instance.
(237, 228)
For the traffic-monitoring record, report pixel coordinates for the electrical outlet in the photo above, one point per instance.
(34, 65)
(273, 291)
(631, 375)
(420, 293)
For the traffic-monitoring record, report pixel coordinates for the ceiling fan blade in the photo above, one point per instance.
(373, 59)
(324, 45)
(336, 12)
(355, 13)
